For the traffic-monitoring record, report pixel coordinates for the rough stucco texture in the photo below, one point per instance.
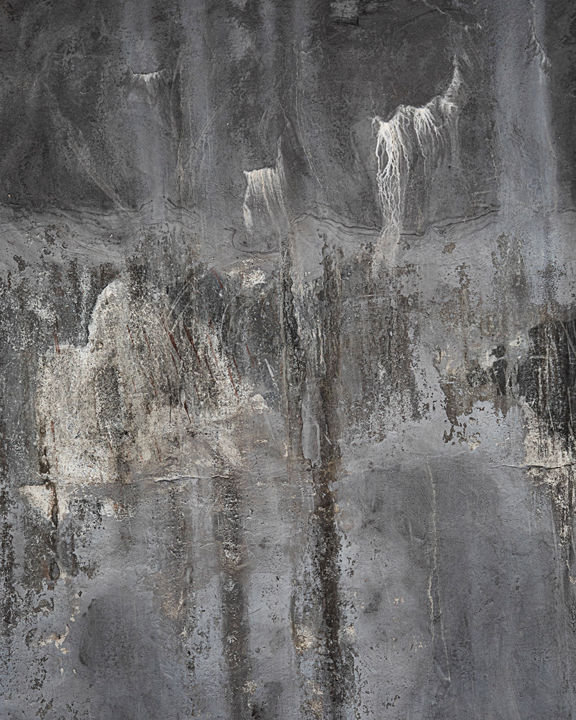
(288, 359)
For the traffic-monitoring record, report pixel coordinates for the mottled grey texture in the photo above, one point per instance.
(288, 359)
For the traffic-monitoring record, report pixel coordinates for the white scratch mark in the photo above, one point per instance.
(433, 590)
(269, 369)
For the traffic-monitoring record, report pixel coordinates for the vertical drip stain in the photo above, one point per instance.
(229, 537)
(51, 568)
(316, 612)
(293, 358)
(325, 533)
(8, 595)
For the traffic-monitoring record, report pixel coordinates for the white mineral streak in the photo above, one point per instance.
(534, 44)
(149, 82)
(129, 405)
(148, 77)
(429, 132)
(265, 196)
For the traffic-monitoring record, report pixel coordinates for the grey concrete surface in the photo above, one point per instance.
(288, 359)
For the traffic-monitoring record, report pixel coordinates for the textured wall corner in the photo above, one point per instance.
(287, 360)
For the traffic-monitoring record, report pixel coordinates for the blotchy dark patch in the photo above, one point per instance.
(476, 384)
(547, 378)
(547, 382)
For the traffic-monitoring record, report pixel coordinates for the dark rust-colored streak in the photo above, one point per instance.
(232, 381)
(191, 341)
(236, 367)
(252, 361)
(218, 279)
(147, 342)
(130, 336)
(152, 383)
(174, 345)
(211, 326)
(172, 340)
(208, 367)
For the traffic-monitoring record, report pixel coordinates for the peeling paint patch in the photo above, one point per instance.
(140, 399)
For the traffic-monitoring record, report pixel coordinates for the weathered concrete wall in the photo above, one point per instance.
(288, 359)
